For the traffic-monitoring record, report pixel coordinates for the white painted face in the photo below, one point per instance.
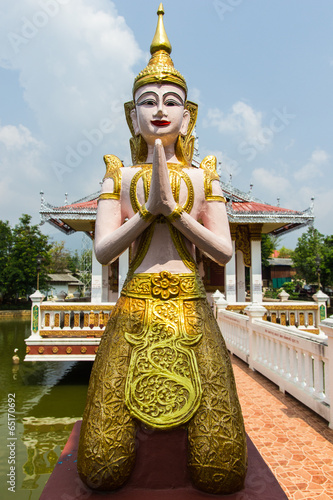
(159, 113)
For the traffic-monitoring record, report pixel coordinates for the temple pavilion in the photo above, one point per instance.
(249, 218)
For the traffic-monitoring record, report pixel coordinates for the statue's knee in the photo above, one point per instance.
(101, 474)
(107, 462)
(218, 480)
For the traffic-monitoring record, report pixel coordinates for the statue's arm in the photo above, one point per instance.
(213, 237)
(112, 235)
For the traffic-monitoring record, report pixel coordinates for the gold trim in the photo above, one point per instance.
(113, 166)
(175, 214)
(182, 248)
(145, 214)
(176, 175)
(163, 286)
(90, 307)
(208, 165)
(108, 196)
(71, 333)
(145, 240)
(290, 308)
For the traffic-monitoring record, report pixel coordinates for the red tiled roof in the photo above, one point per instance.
(246, 206)
(83, 205)
(253, 206)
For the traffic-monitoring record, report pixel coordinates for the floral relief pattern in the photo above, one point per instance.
(163, 385)
(152, 366)
(216, 434)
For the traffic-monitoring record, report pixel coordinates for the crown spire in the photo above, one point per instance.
(160, 40)
(160, 68)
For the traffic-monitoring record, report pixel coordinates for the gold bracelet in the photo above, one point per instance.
(175, 214)
(108, 196)
(145, 215)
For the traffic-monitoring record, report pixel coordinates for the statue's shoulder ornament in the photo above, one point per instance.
(208, 165)
(113, 166)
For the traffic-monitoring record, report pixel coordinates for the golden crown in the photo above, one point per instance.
(160, 68)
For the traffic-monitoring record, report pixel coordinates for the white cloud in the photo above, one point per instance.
(74, 60)
(314, 167)
(242, 120)
(21, 175)
(270, 183)
(13, 137)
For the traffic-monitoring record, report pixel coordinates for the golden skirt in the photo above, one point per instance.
(162, 360)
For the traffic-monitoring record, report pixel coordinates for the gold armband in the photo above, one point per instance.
(145, 215)
(175, 214)
(108, 196)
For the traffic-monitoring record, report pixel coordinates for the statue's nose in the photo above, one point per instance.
(161, 111)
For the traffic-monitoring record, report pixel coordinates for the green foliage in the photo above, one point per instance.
(60, 258)
(326, 267)
(19, 248)
(20, 271)
(285, 253)
(268, 245)
(293, 288)
(308, 250)
(85, 267)
(5, 248)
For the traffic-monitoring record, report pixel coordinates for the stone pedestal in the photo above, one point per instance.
(160, 473)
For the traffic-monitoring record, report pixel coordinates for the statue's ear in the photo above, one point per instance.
(185, 122)
(134, 119)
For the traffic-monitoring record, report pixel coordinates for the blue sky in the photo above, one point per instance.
(261, 71)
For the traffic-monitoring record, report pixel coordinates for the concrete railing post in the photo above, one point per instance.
(219, 302)
(36, 299)
(321, 299)
(254, 311)
(327, 327)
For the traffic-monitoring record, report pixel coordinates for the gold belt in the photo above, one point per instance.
(164, 286)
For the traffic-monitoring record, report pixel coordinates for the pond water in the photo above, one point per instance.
(49, 397)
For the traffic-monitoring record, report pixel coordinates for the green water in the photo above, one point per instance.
(49, 398)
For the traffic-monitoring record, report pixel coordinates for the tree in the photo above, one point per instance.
(326, 267)
(5, 249)
(285, 253)
(268, 245)
(60, 258)
(85, 267)
(308, 255)
(27, 243)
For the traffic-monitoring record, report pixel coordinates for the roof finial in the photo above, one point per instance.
(160, 40)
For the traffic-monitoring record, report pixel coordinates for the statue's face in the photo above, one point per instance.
(159, 113)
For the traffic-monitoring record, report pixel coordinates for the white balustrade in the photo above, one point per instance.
(295, 359)
(71, 319)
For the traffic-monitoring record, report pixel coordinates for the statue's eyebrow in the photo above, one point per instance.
(145, 95)
(154, 94)
(174, 94)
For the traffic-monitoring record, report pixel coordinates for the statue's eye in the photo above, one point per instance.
(172, 102)
(147, 102)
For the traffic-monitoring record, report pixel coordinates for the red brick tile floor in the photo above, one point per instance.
(294, 441)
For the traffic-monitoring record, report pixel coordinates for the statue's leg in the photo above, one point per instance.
(217, 439)
(107, 441)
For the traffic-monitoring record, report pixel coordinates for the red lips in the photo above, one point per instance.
(160, 123)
